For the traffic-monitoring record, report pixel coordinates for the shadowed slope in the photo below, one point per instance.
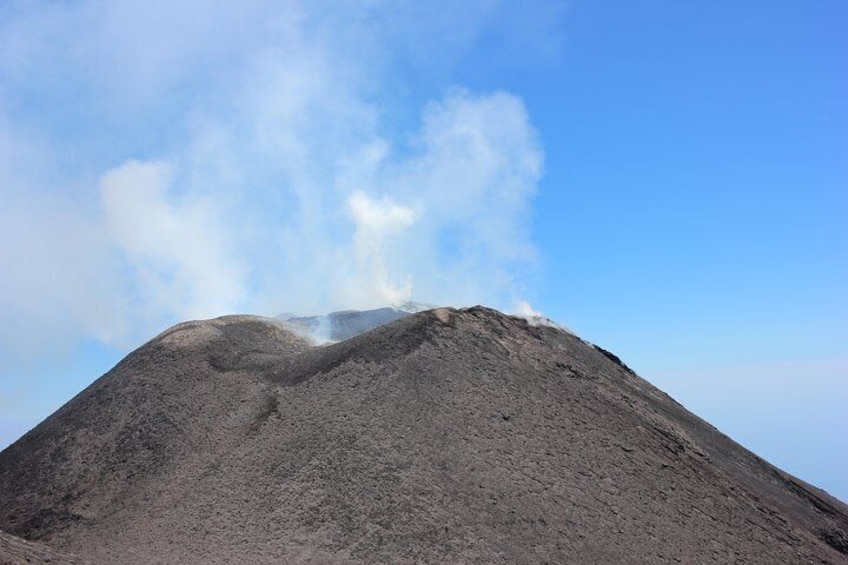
(445, 436)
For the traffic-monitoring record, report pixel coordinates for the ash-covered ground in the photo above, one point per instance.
(445, 436)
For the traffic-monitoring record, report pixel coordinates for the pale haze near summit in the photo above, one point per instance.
(667, 181)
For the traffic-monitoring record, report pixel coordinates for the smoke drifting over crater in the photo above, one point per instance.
(287, 172)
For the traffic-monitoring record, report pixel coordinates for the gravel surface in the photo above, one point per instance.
(448, 436)
(15, 551)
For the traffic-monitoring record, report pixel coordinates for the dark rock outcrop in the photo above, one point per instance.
(448, 436)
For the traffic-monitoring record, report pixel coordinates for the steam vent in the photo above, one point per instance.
(444, 436)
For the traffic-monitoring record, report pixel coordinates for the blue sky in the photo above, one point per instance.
(666, 178)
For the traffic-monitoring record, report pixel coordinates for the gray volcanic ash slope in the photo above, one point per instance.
(448, 436)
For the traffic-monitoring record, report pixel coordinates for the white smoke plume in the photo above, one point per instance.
(164, 161)
(178, 251)
(375, 222)
(523, 309)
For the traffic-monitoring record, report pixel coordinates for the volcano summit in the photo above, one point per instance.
(446, 436)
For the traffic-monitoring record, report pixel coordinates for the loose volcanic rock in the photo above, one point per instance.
(446, 436)
(15, 551)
